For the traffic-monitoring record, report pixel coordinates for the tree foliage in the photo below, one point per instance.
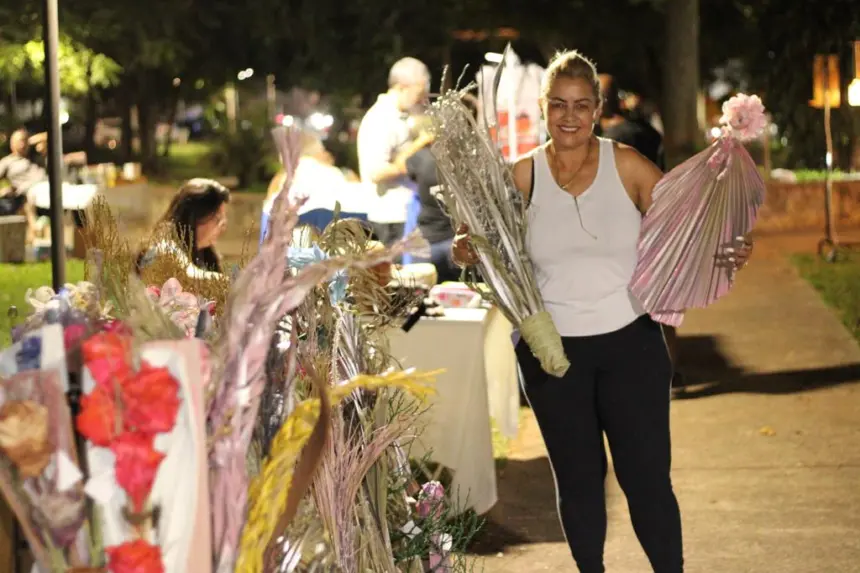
(81, 69)
(347, 47)
(779, 56)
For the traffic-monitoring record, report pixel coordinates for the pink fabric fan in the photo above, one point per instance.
(702, 207)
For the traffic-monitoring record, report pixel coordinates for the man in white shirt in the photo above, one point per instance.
(382, 133)
(29, 187)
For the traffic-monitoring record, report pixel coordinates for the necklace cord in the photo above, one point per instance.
(564, 187)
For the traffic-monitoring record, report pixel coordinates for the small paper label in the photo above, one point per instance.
(68, 474)
(410, 529)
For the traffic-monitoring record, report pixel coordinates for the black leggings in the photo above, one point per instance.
(618, 383)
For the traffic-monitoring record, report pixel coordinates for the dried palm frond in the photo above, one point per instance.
(263, 293)
(306, 544)
(256, 303)
(272, 494)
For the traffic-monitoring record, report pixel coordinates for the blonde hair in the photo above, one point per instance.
(571, 64)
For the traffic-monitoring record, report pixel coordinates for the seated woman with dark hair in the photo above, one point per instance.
(189, 229)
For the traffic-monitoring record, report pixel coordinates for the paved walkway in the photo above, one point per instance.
(766, 442)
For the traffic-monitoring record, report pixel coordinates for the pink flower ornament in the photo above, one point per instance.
(744, 117)
(180, 306)
(431, 500)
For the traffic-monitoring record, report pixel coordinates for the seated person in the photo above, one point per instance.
(29, 181)
(189, 229)
(320, 182)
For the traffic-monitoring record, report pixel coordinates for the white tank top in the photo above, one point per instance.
(583, 269)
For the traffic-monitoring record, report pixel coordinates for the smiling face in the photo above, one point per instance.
(571, 107)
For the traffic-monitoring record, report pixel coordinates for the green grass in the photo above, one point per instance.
(194, 159)
(14, 282)
(838, 283)
(813, 175)
(186, 161)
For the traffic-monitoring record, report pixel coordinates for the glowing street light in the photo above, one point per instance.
(320, 121)
(854, 86)
(245, 74)
(854, 92)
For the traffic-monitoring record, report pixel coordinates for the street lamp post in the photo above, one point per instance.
(827, 95)
(50, 30)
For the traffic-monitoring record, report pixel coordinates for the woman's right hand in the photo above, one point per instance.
(462, 251)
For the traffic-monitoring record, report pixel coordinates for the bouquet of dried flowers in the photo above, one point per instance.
(265, 456)
(478, 190)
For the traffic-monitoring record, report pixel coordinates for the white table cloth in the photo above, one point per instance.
(480, 378)
(75, 197)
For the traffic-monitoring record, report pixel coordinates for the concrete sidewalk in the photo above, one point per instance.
(766, 442)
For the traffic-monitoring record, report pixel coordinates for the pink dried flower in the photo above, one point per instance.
(182, 307)
(744, 117)
(431, 500)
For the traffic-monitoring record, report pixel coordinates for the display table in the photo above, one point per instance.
(474, 348)
(75, 197)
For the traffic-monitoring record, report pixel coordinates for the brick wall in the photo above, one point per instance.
(800, 206)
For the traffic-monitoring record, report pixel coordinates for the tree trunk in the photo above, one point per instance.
(681, 81)
(146, 133)
(13, 101)
(127, 130)
(171, 118)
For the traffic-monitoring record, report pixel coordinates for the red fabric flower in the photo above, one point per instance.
(135, 557)
(137, 463)
(150, 400)
(107, 355)
(72, 336)
(117, 327)
(97, 419)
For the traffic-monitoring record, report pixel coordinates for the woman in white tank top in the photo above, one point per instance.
(586, 197)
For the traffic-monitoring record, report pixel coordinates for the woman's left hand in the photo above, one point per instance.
(736, 254)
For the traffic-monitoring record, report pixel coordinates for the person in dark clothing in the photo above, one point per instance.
(634, 131)
(433, 222)
(641, 136)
